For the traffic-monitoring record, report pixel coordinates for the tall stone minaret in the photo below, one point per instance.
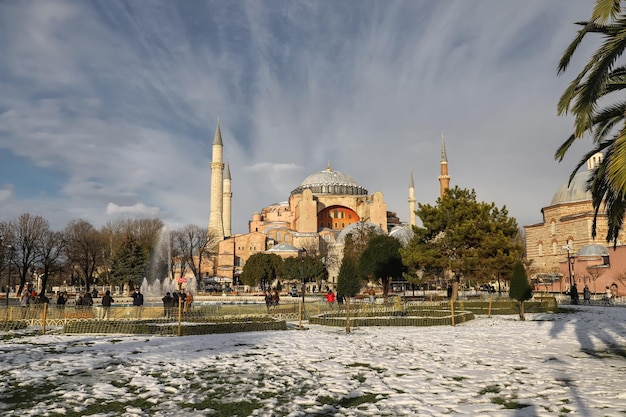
(411, 200)
(228, 197)
(444, 178)
(216, 223)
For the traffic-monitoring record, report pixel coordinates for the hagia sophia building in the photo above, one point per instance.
(329, 204)
(317, 216)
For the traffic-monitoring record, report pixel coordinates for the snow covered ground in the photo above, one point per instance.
(565, 364)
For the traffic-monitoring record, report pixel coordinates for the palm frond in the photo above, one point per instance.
(616, 172)
(594, 85)
(605, 10)
(562, 150)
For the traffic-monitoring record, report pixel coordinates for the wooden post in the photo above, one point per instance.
(44, 317)
(347, 314)
(180, 304)
(452, 311)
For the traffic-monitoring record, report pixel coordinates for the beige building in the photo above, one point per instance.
(317, 215)
(323, 205)
(566, 226)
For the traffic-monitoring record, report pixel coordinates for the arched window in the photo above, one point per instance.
(540, 248)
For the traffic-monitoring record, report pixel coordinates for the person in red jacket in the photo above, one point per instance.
(330, 296)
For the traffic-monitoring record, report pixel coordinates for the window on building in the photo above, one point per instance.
(540, 249)
(553, 227)
(554, 251)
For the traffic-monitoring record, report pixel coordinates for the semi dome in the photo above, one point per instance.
(402, 234)
(593, 250)
(330, 182)
(576, 191)
(341, 239)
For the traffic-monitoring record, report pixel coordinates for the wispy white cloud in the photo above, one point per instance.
(121, 99)
(135, 209)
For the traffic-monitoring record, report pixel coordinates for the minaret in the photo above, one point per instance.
(228, 197)
(444, 178)
(216, 224)
(411, 200)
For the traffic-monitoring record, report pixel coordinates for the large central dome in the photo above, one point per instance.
(330, 182)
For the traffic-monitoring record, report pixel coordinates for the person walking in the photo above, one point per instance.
(107, 300)
(586, 295)
(372, 294)
(25, 300)
(188, 301)
(573, 292)
(138, 302)
(168, 303)
(61, 300)
(175, 302)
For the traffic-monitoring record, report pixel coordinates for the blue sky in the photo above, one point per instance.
(108, 108)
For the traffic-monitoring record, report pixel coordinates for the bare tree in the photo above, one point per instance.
(84, 248)
(51, 253)
(195, 244)
(27, 231)
(593, 275)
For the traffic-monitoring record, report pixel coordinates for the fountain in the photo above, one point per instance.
(157, 280)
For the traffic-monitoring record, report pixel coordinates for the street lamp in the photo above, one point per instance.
(569, 249)
(302, 255)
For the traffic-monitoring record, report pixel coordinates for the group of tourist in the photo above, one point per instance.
(174, 301)
(272, 299)
(29, 296)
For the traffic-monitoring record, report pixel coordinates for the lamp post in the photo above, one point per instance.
(568, 248)
(302, 254)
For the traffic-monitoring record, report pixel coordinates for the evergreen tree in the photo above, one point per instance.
(348, 284)
(129, 263)
(520, 287)
(381, 260)
(466, 237)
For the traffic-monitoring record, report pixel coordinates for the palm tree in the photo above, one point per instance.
(602, 76)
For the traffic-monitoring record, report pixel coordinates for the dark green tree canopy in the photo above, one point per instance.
(129, 262)
(381, 258)
(463, 235)
(348, 281)
(314, 269)
(520, 287)
(262, 268)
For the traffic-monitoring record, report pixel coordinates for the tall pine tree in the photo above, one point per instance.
(348, 284)
(520, 287)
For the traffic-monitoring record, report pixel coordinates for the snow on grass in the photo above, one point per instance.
(563, 364)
